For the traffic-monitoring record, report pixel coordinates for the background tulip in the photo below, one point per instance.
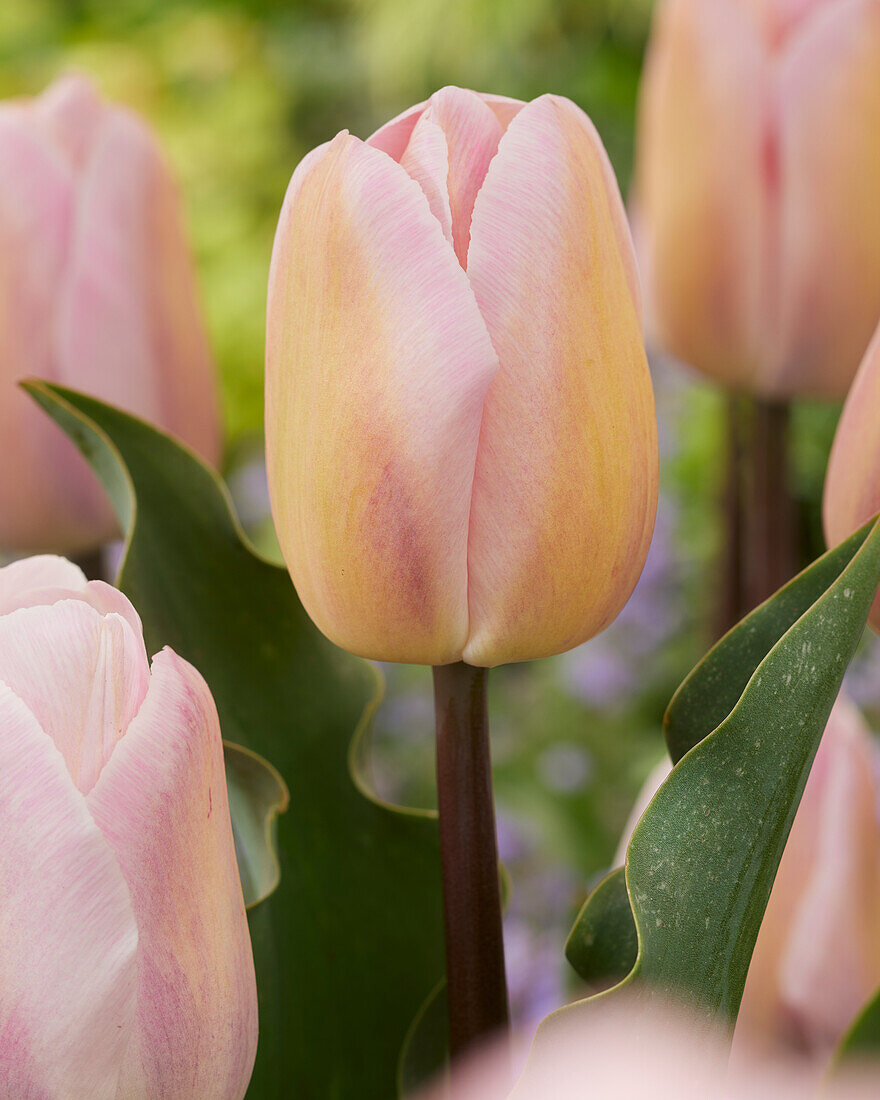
(97, 292)
(757, 175)
(852, 485)
(817, 957)
(125, 961)
(460, 426)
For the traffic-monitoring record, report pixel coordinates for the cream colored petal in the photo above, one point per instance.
(702, 186)
(565, 490)
(377, 365)
(829, 96)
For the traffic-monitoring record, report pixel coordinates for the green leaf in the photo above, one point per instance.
(257, 795)
(426, 1045)
(603, 945)
(350, 944)
(863, 1038)
(744, 727)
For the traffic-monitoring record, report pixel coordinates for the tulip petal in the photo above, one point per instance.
(831, 964)
(393, 136)
(82, 674)
(129, 326)
(702, 189)
(852, 484)
(71, 113)
(378, 363)
(426, 160)
(68, 938)
(161, 803)
(36, 215)
(41, 571)
(566, 481)
(472, 135)
(829, 97)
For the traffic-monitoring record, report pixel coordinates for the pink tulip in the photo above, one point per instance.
(852, 484)
(97, 292)
(817, 958)
(125, 962)
(758, 171)
(461, 438)
(623, 1049)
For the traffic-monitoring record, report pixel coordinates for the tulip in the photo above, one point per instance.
(852, 484)
(623, 1049)
(817, 957)
(97, 292)
(125, 962)
(758, 171)
(461, 438)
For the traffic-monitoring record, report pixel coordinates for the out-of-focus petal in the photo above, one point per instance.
(852, 484)
(831, 965)
(829, 96)
(82, 674)
(701, 186)
(71, 114)
(36, 215)
(378, 363)
(161, 804)
(129, 325)
(566, 483)
(68, 938)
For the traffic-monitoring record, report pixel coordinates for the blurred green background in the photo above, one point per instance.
(238, 92)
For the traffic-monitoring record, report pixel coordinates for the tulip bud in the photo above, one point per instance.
(852, 484)
(817, 957)
(757, 178)
(125, 961)
(461, 439)
(97, 292)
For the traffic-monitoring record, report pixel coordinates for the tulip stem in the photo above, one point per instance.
(475, 978)
(760, 536)
(771, 519)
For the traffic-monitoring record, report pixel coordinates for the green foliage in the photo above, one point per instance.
(744, 728)
(862, 1041)
(257, 795)
(350, 944)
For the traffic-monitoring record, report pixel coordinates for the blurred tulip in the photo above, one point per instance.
(97, 292)
(852, 484)
(461, 437)
(817, 957)
(125, 961)
(626, 1049)
(758, 171)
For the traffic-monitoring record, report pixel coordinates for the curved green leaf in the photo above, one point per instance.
(350, 944)
(703, 857)
(257, 795)
(603, 945)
